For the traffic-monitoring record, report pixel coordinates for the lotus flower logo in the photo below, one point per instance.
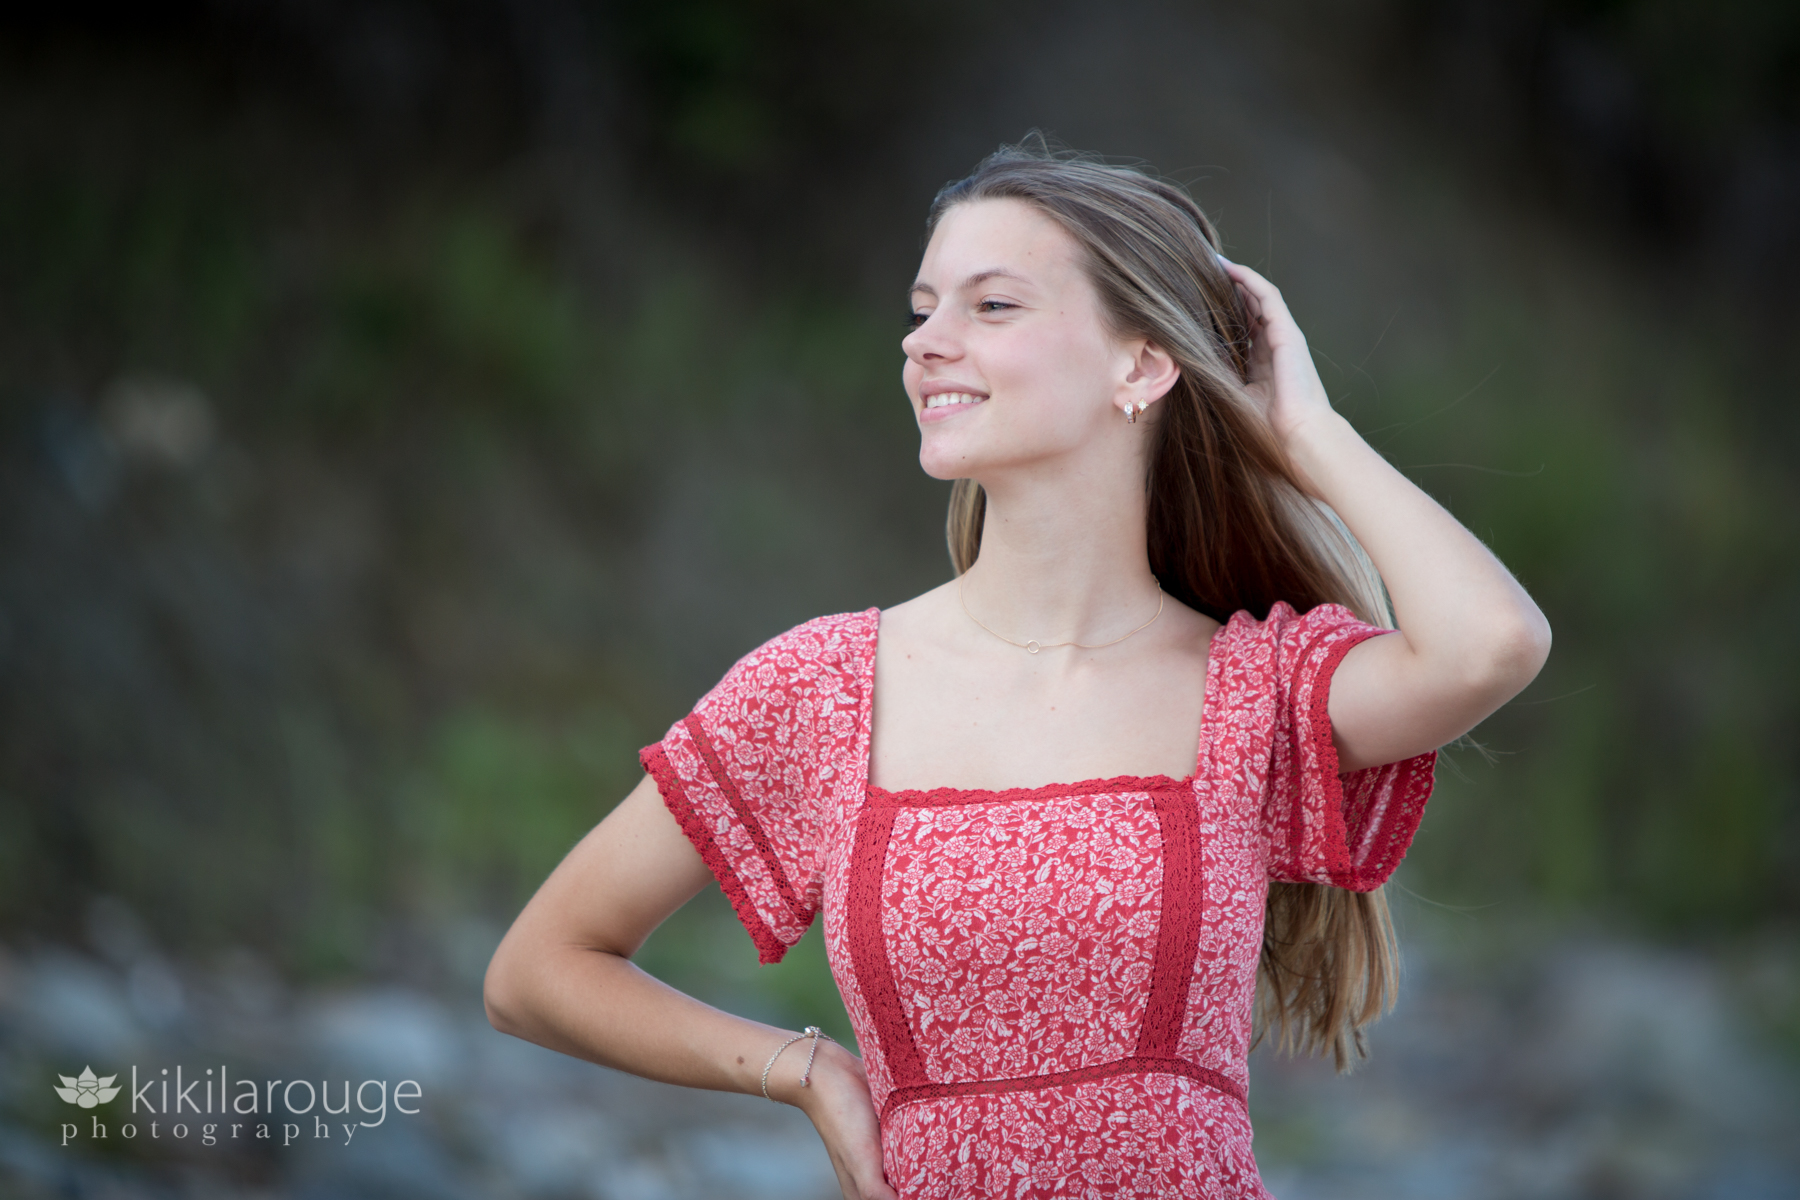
(86, 1090)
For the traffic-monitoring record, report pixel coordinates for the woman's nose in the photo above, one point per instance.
(930, 340)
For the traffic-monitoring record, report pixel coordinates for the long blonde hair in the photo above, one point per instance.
(1228, 525)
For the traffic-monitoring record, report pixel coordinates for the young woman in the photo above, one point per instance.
(1151, 753)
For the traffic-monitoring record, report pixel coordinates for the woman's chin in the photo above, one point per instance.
(940, 460)
(993, 454)
(945, 471)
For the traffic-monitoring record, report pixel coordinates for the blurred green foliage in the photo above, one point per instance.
(1609, 462)
(500, 799)
(378, 655)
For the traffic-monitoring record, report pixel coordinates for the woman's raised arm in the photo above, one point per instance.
(562, 978)
(1469, 637)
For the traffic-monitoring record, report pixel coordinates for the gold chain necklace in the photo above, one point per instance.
(1032, 646)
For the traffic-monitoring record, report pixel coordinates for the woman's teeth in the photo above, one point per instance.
(943, 398)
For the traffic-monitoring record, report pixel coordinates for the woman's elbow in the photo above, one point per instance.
(500, 993)
(496, 1012)
(1517, 652)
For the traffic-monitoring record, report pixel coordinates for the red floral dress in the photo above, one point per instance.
(1051, 986)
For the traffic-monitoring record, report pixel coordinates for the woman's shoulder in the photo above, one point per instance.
(838, 644)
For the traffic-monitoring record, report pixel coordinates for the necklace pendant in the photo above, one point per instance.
(1032, 647)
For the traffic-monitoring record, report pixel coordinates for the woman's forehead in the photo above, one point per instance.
(981, 240)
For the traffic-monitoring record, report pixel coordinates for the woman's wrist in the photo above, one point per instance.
(1318, 445)
(830, 1069)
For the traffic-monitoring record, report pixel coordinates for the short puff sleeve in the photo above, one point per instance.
(1347, 830)
(753, 774)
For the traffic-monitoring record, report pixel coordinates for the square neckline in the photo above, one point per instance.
(1108, 785)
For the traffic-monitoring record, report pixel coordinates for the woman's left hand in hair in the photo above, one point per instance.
(1282, 375)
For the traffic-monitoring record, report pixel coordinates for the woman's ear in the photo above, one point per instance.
(1153, 373)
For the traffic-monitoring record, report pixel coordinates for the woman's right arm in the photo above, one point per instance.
(562, 978)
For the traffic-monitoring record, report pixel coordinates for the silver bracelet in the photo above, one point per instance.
(813, 1032)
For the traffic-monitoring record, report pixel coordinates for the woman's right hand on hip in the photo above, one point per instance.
(841, 1109)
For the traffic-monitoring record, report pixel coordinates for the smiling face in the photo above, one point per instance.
(1009, 364)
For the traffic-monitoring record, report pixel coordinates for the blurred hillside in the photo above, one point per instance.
(407, 410)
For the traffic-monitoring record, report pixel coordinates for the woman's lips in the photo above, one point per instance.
(948, 404)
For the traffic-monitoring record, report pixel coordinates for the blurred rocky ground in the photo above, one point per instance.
(1561, 1064)
(497, 1117)
(1570, 1065)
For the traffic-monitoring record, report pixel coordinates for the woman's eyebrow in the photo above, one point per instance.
(973, 281)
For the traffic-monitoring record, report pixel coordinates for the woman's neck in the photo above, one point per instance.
(1061, 562)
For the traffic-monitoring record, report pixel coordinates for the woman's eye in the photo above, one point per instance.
(914, 320)
(991, 306)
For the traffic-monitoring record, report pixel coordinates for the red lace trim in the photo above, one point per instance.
(868, 949)
(747, 818)
(947, 796)
(1178, 928)
(769, 948)
(1136, 1065)
(1408, 789)
(1171, 975)
(1324, 749)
